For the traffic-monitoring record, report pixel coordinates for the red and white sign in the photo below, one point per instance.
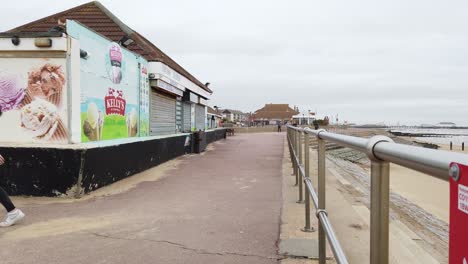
(458, 242)
(115, 102)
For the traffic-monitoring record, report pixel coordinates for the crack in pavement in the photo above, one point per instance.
(184, 247)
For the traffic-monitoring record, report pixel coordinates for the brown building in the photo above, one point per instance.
(271, 114)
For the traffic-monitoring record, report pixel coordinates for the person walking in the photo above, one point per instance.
(279, 127)
(14, 215)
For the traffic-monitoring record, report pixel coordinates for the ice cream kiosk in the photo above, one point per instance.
(74, 104)
(68, 88)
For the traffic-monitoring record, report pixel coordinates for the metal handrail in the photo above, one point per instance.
(381, 151)
(433, 162)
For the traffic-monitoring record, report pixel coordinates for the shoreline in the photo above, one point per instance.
(455, 147)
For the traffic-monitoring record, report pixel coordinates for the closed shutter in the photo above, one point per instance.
(179, 115)
(200, 117)
(186, 119)
(163, 114)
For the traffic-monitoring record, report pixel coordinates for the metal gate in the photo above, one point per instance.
(162, 114)
(200, 117)
(186, 119)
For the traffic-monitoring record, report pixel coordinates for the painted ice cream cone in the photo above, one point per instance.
(12, 92)
(91, 126)
(132, 128)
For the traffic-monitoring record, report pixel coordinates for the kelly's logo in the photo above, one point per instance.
(115, 102)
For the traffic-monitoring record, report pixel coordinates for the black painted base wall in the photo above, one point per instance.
(215, 135)
(55, 172)
(39, 171)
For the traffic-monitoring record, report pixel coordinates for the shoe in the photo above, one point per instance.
(12, 218)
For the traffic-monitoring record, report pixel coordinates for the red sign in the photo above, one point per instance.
(458, 242)
(115, 102)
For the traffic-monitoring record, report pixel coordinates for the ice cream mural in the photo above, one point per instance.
(111, 120)
(110, 87)
(31, 100)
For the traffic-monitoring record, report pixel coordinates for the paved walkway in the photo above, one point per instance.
(219, 207)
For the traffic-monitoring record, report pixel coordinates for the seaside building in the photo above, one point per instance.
(82, 86)
(271, 114)
(304, 118)
(234, 115)
(213, 118)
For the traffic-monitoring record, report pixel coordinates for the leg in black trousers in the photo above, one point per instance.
(6, 201)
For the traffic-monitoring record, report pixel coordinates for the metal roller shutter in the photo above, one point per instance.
(186, 119)
(163, 114)
(200, 117)
(179, 115)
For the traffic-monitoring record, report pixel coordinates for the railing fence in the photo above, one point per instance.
(381, 151)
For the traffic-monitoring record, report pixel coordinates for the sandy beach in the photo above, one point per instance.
(427, 192)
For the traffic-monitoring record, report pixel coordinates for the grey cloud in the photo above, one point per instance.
(367, 61)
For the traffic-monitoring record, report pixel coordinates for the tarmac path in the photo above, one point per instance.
(219, 207)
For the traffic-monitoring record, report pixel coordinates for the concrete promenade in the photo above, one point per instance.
(219, 207)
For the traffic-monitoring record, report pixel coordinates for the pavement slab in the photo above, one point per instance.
(219, 207)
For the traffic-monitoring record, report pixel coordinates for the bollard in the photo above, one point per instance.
(450, 145)
(463, 146)
(321, 198)
(307, 227)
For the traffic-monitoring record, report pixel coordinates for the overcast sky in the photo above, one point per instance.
(367, 61)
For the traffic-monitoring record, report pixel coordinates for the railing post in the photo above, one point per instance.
(290, 147)
(321, 197)
(307, 227)
(379, 212)
(380, 200)
(296, 145)
(300, 179)
(293, 150)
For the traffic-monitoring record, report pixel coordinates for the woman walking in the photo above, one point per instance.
(14, 215)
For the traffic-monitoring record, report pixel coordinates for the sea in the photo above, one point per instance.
(437, 135)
